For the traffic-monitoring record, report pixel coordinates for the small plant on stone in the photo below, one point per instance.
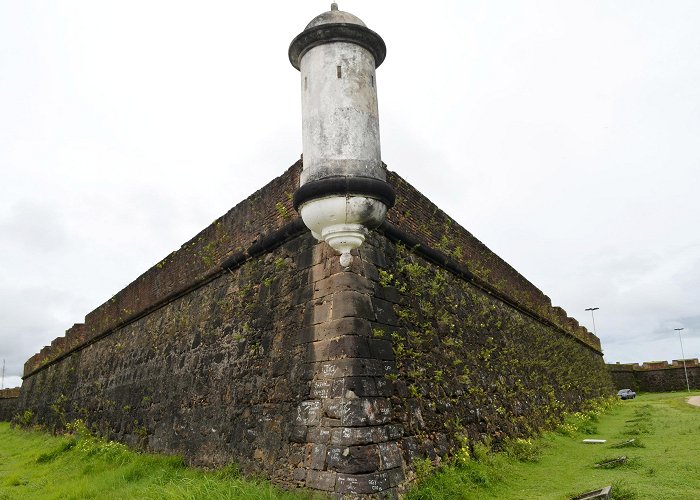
(25, 418)
(424, 468)
(282, 210)
(482, 452)
(378, 332)
(385, 278)
(523, 450)
(462, 455)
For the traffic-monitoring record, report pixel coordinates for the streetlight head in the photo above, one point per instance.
(592, 308)
(679, 329)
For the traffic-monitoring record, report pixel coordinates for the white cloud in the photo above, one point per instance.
(561, 134)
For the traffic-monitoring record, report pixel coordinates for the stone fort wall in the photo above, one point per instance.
(656, 376)
(8, 403)
(251, 344)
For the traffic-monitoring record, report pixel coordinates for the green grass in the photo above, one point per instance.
(663, 461)
(38, 465)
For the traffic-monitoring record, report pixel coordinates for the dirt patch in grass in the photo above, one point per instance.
(694, 400)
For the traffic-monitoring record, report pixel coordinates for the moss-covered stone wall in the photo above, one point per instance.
(471, 367)
(656, 376)
(8, 403)
(215, 376)
(240, 233)
(251, 344)
(417, 216)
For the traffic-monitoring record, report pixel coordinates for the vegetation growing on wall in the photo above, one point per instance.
(425, 222)
(210, 375)
(470, 367)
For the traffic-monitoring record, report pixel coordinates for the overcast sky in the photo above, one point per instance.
(565, 135)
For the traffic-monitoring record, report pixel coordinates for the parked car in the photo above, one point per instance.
(626, 394)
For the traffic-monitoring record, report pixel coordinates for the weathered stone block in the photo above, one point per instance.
(303, 336)
(353, 459)
(359, 387)
(387, 293)
(330, 422)
(299, 474)
(351, 367)
(372, 254)
(338, 388)
(321, 480)
(304, 259)
(366, 411)
(298, 434)
(375, 482)
(385, 387)
(309, 413)
(344, 281)
(385, 312)
(370, 272)
(381, 349)
(395, 431)
(390, 455)
(316, 457)
(321, 435)
(301, 294)
(348, 347)
(333, 408)
(347, 436)
(317, 351)
(317, 312)
(322, 389)
(319, 271)
(411, 449)
(352, 304)
(333, 329)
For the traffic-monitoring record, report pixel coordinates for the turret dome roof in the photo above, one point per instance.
(335, 16)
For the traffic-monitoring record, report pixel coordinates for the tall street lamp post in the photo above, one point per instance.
(687, 384)
(593, 309)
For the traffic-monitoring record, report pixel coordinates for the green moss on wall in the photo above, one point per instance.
(471, 366)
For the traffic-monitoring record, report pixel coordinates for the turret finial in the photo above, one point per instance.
(334, 6)
(345, 259)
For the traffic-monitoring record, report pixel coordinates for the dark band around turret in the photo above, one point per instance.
(342, 185)
(337, 32)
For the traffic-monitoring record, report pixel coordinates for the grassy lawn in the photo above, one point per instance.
(662, 463)
(39, 465)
